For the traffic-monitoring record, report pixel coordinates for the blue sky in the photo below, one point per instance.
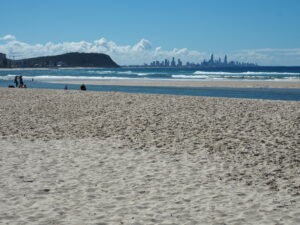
(235, 27)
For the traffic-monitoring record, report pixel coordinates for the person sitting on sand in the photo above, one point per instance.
(83, 87)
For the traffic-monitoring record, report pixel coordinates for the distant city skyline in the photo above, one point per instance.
(132, 32)
(212, 62)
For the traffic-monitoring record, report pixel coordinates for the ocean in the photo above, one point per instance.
(44, 78)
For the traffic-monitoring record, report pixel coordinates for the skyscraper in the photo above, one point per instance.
(173, 63)
(211, 58)
(3, 60)
(167, 63)
(179, 63)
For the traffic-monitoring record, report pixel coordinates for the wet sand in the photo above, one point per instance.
(72, 157)
(176, 83)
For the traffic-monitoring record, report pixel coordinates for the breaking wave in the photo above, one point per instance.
(49, 78)
(100, 72)
(191, 76)
(104, 72)
(244, 73)
(180, 74)
(237, 76)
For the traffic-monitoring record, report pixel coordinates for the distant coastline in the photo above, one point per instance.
(49, 68)
(138, 66)
(67, 60)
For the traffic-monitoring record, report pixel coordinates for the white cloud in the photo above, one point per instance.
(143, 45)
(268, 56)
(139, 53)
(143, 52)
(8, 37)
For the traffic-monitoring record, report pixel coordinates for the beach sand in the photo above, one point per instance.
(75, 157)
(185, 83)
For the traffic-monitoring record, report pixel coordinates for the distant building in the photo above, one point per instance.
(225, 59)
(220, 61)
(212, 62)
(60, 64)
(3, 60)
(167, 63)
(179, 63)
(211, 58)
(173, 63)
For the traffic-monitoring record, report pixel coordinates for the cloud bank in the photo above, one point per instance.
(143, 52)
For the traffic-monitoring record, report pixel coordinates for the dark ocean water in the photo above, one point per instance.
(43, 76)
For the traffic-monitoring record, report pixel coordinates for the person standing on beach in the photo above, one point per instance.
(16, 81)
(21, 81)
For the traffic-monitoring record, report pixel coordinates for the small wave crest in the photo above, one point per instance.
(191, 76)
(103, 72)
(51, 78)
(129, 72)
(244, 73)
(100, 72)
(230, 77)
(9, 77)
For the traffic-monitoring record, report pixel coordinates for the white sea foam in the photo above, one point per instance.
(100, 72)
(137, 73)
(146, 74)
(125, 72)
(48, 78)
(103, 72)
(227, 77)
(191, 76)
(244, 73)
(109, 72)
(121, 75)
(291, 78)
(9, 77)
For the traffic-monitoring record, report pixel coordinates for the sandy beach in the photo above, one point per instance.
(185, 83)
(75, 157)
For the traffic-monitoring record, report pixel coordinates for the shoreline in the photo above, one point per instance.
(176, 83)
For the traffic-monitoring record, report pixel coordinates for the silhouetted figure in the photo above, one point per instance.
(83, 87)
(16, 81)
(21, 81)
(66, 87)
(11, 86)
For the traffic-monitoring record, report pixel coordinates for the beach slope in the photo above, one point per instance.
(72, 157)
